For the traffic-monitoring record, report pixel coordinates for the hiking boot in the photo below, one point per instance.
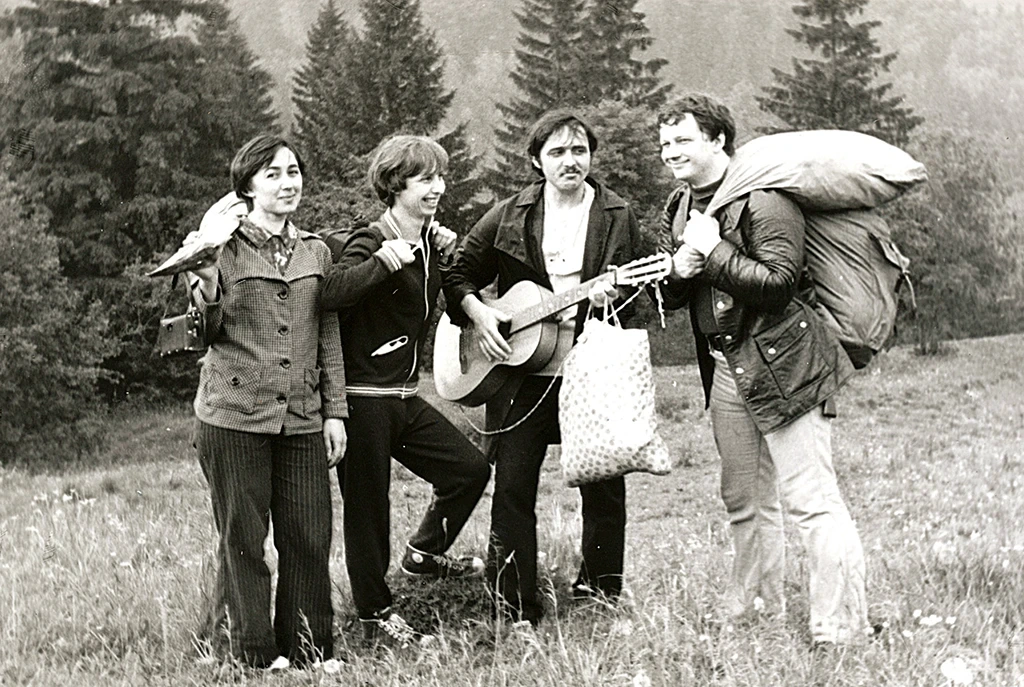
(388, 627)
(440, 566)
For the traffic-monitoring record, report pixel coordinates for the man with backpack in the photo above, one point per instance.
(770, 369)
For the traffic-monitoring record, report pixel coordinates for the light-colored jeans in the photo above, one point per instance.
(794, 463)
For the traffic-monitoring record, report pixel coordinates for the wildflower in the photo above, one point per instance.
(930, 620)
(908, 634)
(622, 627)
(641, 679)
(331, 666)
(758, 604)
(950, 620)
(956, 671)
(916, 613)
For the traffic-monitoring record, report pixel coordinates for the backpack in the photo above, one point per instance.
(838, 178)
(337, 237)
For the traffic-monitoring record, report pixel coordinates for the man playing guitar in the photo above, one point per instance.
(559, 232)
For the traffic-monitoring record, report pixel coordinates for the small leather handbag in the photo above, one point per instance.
(185, 332)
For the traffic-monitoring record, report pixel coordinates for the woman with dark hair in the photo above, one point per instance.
(269, 416)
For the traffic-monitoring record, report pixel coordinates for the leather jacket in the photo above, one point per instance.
(505, 245)
(784, 358)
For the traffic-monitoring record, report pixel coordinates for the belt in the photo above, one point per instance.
(715, 341)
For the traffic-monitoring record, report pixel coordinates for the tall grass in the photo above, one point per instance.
(103, 569)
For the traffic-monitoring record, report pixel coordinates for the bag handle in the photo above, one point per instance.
(174, 285)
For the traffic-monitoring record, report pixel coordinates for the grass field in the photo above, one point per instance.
(102, 568)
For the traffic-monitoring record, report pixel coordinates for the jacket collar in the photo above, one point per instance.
(522, 225)
(604, 198)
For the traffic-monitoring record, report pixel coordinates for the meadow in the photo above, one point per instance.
(103, 566)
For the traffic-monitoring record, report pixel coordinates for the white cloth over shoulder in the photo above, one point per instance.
(827, 169)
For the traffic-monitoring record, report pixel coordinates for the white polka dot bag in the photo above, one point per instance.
(606, 406)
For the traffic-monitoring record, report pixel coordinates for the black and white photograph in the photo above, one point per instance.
(500, 343)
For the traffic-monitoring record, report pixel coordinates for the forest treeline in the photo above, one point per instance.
(119, 120)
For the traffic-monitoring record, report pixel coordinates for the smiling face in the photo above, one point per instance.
(693, 157)
(276, 189)
(565, 159)
(421, 195)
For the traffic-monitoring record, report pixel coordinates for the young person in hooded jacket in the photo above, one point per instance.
(384, 285)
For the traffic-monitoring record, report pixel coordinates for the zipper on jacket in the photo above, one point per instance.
(425, 242)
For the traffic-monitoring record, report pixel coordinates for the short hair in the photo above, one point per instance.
(551, 122)
(256, 154)
(402, 156)
(712, 116)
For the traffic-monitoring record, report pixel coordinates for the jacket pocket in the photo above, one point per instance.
(792, 351)
(311, 401)
(233, 388)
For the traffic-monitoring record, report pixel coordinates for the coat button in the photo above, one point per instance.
(739, 370)
(721, 305)
(728, 337)
(771, 351)
(281, 398)
(235, 381)
(282, 295)
(286, 363)
(283, 329)
(803, 325)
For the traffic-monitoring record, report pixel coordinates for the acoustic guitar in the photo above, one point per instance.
(461, 371)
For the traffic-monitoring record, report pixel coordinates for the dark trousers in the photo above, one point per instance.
(431, 447)
(512, 554)
(252, 478)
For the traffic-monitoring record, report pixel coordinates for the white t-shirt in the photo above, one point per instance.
(563, 243)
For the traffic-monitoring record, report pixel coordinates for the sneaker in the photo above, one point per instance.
(440, 566)
(389, 627)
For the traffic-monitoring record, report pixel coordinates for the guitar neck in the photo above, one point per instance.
(559, 301)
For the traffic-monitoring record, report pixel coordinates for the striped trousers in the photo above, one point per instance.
(253, 478)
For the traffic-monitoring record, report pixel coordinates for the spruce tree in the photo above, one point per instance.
(394, 83)
(571, 53)
(133, 114)
(323, 99)
(398, 74)
(839, 90)
(123, 125)
(614, 36)
(549, 61)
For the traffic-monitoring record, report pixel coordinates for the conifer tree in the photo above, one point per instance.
(51, 343)
(125, 119)
(398, 74)
(614, 36)
(839, 90)
(394, 83)
(132, 120)
(323, 98)
(571, 53)
(548, 65)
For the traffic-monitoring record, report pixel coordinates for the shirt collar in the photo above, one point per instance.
(259, 236)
